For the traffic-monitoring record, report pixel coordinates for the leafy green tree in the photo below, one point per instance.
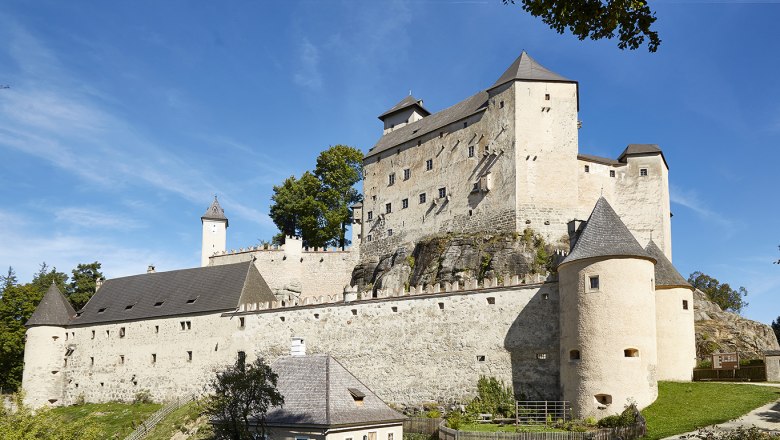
(83, 283)
(316, 206)
(7, 280)
(23, 424)
(597, 19)
(242, 394)
(776, 327)
(721, 294)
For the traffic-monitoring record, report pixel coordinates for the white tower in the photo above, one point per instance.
(214, 232)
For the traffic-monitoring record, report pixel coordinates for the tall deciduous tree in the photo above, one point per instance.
(316, 205)
(776, 327)
(721, 294)
(597, 19)
(243, 394)
(83, 283)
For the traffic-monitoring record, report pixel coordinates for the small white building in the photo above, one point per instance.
(324, 401)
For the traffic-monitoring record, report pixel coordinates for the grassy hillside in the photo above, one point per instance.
(115, 420)
(186, 422)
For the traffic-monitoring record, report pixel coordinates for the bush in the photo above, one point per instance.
(455, 420)
(433, 414)
(493, 398)
(44, 425)
(143, 396)
(626, 418)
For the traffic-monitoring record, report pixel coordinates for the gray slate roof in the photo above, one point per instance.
(641, 149)
(318, 390)
(430, 123)
(409, 101)
(54, 309)
(525, 68)
(213, 289)
(665, 273)
(605, 235)
(598, 159)
(772, 353)
(215, 212)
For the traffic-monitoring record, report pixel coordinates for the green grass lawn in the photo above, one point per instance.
(686, 406)
(184, 419)
(116, 420)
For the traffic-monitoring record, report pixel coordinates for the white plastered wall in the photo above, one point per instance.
(676, 334)
(44, 356)
(213, 240)
(601, 324)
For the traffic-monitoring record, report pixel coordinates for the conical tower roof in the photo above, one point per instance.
(665, 273)
(409, 101)
(54, 309)
(215, 212)
(526, 68)
(605, 235)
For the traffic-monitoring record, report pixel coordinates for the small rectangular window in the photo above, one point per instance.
(388, 208)
(91, 361)
(501, 104)
(428, 164)
(189, 325)
(122, 359)
(391, 179)
(389, 232)
(404, 203)
(471, 151)
(685, 304)
(121, 332)
(491, 300)
(183, 325)
(643, 172)
(370, 215)
(368, 237)
(442, 193)
(594, 282)
(422, 198)
(154, 358)
(108, 333)
(407, 174)
(241, 322)
(611, 173)
(546, 96)
(480, 358)
(241, 358)
(93, 334)
(441, 134)
(189, 356)
(465, 124)
(541, 356)
(157, 329)
(587, 168)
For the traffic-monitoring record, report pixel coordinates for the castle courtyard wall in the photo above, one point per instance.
(408, 350)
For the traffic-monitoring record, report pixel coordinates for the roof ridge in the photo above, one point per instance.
(525, 68)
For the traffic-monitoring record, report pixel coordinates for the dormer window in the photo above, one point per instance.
(159, 303)
(129, 307)
(101, 310)
(192, 300)
(357, 396)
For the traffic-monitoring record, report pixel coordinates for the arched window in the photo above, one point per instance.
(574, 355)
(631, 353)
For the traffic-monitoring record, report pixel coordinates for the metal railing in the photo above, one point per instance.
(147, 425)
(542, 412)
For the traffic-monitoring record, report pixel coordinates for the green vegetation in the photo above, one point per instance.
(493, 397)
(721, 294)
(683, 407)
(187, 420)
(493, 427)
(776, 327)
(113, 419)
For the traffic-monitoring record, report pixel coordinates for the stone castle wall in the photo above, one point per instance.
(408, 349)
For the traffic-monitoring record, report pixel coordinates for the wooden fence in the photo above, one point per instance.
(422, 425)
(741, 374)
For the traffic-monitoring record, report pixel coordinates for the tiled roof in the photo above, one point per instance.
(772, 353)
(641, 149)
(215, 212)
(525, 68)
(318, 390)
(665, 273)
(605, 235)
(430, 123)
(54, 309)
(408, 101)
(598, 159)
(178, 292)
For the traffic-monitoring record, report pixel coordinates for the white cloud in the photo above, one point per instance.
(691, 200)
(95, 218)
(308, 74)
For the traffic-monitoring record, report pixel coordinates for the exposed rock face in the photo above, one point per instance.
(451, 257)
(719, 331)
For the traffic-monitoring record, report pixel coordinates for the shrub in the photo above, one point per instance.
(433, 414)
(626, 418)
(455, 420)
(143, 396)
(494, 397)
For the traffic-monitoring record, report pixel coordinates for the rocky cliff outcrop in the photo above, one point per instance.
(458, 257)
(719, 331)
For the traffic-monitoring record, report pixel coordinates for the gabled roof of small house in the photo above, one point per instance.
(605, 235)
(319, 391)
(409, 101)
(215, 212)
(54, 309)
(178, 292)
(665, 273)
(525, 68)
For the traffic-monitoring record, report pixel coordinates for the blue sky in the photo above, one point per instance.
(123, 119)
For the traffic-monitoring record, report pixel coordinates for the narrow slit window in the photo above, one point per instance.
(685, 304)
(471, 151)
(611, 173)
(388, 208)
(122, 359)
(93, 334)
(241, 322)
(189, 356)
(428, 164)
(121, 332)
(154, 358)
(404, 203)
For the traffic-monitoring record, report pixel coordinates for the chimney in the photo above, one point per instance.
(150, 269)
(298, 347)
(98, 283)
(575, 228)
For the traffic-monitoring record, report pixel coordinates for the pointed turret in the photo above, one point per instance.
(54, 310)
(215, 212)
(665, 273)
(605, 235)
(525, 68)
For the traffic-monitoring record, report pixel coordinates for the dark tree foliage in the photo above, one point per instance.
(776, 327)
(597, 19)
(82, 284)
(243, 394)
(721, 294)
(17, 304)
(316, 205)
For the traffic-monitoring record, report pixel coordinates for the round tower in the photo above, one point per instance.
(607, 320)
(674, 319)
(46, 350)
(215, 226)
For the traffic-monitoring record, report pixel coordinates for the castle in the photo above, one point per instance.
(616, 318)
